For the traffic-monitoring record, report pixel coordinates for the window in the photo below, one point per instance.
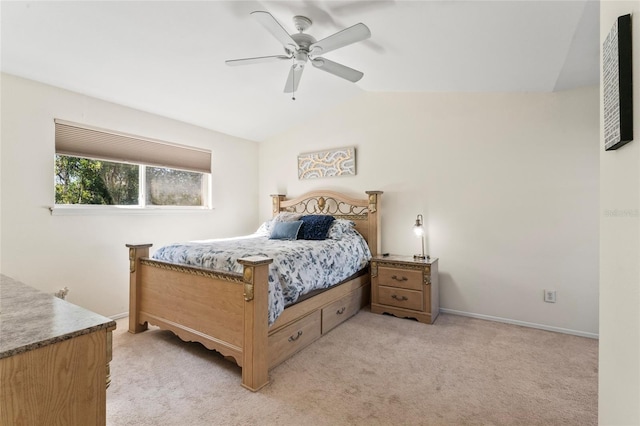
(99, 167)
(84, 181)
(171, 187)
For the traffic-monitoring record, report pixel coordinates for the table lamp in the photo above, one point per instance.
(418, 229)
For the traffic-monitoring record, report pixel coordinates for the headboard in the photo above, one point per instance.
(365, 213)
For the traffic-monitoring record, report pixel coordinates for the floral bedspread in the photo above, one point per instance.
(298, 267)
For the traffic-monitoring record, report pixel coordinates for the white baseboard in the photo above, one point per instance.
(118, 316)
(521, 323)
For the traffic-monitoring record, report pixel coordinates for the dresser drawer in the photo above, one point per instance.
(293, 337)
(401, 298)
(402, 278)
(341, 309)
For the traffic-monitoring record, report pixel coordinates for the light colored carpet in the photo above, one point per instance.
(373, 369)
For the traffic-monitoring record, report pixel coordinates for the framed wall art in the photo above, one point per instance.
(617, 85)
(334, 162)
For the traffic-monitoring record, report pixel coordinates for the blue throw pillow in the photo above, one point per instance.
(285, 230)
(315, 227)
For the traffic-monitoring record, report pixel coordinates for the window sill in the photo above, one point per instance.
(72, 210)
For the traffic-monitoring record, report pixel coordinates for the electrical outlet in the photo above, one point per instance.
(550, 296)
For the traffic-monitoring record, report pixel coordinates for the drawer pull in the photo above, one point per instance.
(340, 311)
(394, 277)
(296, 337)
(399, 298)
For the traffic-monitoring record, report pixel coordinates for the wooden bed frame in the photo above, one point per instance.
(228, 312)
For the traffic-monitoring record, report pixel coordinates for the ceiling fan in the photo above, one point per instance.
(302, 48)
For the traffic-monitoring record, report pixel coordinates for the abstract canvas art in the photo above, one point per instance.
(334, 162)
(617, 76)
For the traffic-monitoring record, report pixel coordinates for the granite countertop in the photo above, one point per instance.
(30, 319)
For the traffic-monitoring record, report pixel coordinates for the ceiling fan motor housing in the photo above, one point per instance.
(303, 40)
(301, 55)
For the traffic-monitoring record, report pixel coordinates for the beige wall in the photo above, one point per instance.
(619, 374)
(87, 252)
(507, 183)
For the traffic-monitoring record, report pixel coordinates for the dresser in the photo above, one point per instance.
(54, 359)
(405, 287)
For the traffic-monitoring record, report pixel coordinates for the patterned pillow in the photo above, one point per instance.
(339, 227)
(315, 227)
(265, 228)
(287, 217)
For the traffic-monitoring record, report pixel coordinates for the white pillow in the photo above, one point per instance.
(339, 227)
(265, 228)
(287, 217)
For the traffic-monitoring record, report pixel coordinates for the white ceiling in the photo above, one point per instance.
(168, 57)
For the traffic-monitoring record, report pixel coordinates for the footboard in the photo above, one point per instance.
(225, 312)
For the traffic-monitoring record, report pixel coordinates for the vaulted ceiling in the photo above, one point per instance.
(168, 57)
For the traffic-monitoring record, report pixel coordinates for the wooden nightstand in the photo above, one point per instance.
(405, 287)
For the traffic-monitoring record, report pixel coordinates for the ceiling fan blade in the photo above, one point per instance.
(294, 79)
(337, 69)
(269, 22)
(259, 59)
(350, 35)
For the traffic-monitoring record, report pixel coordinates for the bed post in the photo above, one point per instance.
(255, 357)
(136, 251)
(374, 222)
(276, 199)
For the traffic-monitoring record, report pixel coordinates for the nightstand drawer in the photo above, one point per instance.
(401, 298)
(402, 278)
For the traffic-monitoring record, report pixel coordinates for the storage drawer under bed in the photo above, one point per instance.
(294, 337)
(342, 309)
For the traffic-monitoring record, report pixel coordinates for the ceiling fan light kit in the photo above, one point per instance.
(301, 48)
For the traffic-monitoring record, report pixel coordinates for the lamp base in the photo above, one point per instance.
(419, 257)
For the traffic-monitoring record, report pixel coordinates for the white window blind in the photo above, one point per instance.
(79, 140)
